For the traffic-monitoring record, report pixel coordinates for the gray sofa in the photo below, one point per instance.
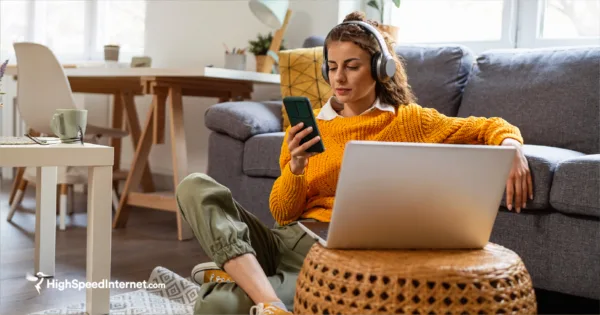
(552, 95)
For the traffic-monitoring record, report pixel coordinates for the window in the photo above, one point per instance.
(123, 23)
(75, 30)
(13, 25)
(570, 19)
(60, 26)
(488, 24)
(457, 17)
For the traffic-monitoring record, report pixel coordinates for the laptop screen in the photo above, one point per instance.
(318, 228)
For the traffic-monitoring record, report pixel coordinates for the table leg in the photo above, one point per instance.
(45, 220)
(134, 128)
(159, 119)
(138, 164)
(117, 123)
(99, 239)
(178, 153)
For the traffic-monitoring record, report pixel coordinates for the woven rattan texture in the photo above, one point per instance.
(488, 281)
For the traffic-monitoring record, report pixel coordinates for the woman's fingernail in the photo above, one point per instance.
(509, 207)
(531, 197)
(309, 128)
(524, 205)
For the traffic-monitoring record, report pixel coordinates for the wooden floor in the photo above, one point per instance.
(148, 241)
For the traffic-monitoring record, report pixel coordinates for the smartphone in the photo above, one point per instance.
(299, 109)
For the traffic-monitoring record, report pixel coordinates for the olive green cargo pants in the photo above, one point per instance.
(225, 230)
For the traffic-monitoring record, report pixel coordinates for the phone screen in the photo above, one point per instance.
(300, 110)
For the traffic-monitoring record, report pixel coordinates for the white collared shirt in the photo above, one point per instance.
(328, 113)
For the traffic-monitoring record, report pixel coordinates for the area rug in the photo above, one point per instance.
(177, 298)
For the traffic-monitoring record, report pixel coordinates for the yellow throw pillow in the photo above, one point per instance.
(300, 71)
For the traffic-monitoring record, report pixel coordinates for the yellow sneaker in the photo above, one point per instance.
(267, 309)
(209, 272)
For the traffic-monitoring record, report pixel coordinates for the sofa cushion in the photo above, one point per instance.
(437, 74)
(241, 120)
(576, 186)
(551, 94)
(300, 71)
(261, 155)
(542, 164)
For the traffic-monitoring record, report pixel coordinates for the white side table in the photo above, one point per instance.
(99, 160)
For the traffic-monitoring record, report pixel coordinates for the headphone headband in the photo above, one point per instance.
(375, 32)
(383, 65)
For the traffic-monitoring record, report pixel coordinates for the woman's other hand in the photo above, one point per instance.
(298, 152)
(518, 184)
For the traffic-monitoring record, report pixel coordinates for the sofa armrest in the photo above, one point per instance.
(242, 120)
(576, 186)
(542, 161)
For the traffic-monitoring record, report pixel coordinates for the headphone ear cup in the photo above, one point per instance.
(324, 67)
(388, 68)
(375, 66)
(325, 71)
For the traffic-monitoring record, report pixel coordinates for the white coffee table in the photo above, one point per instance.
(99, 160)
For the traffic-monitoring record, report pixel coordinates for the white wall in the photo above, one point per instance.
(192, 33)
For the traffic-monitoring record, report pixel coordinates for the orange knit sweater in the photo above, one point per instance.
(311, 195)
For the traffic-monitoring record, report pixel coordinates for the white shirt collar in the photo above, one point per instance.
(328, 113)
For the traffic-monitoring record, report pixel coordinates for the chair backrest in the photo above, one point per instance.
(42, 86)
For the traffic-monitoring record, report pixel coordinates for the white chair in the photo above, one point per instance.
(43, 88)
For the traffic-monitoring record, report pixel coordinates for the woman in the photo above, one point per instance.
(255, 268)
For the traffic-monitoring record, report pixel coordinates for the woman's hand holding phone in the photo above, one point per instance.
(298, 152)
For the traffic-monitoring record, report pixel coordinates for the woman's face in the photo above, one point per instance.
(350, 72)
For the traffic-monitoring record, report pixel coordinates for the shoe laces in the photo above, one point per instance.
(260, 309)
(214, 278)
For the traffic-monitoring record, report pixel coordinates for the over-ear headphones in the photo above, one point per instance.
(383, 65)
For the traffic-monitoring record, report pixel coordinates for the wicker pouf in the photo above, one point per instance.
(488, 281)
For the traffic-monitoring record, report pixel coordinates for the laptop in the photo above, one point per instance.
(394, 195)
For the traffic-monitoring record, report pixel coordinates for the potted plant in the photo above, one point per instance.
(260, 47)
(379, 5)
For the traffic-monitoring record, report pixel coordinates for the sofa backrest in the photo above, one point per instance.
(550, 94)
(437, 74)
(314, 41)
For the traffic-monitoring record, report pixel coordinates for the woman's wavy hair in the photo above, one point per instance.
(395, 91)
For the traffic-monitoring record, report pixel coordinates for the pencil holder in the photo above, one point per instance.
(235, 61)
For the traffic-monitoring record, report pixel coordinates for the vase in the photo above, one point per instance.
(260, 61)
(111, 52)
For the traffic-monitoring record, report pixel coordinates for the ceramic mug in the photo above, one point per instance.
(66, 124)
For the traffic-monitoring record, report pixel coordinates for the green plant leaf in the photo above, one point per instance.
(261, 45)
(397, 3)
(373, 4)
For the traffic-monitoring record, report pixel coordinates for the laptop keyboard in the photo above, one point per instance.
(15, 140)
